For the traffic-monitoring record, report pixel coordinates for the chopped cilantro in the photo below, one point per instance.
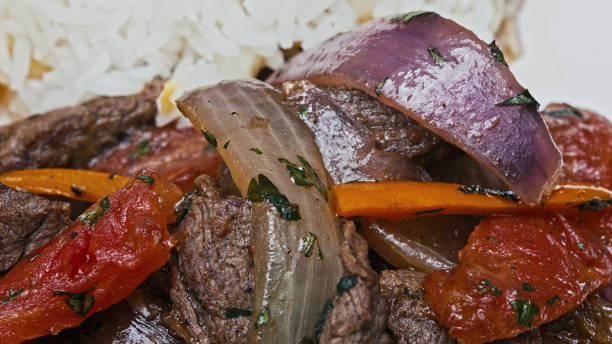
(308, 243)
(526, 312)
(210, 138)
(226, 144)
(91, 217)
(436, 56)
(265, 191)
(327, 309)
(528, 287)
(345, 284)
(304, 113)
(143, 148)
(523, 98)
(564, 113)
(380, 85)
(237, 312)
(497, 53)
(486, 285)
(553, 300)
(595, 204)
(80, 303)
(262, 318)
(471, 189)
(406, 17)
(147, 179)
(33, 257)
(12, 294)
(491, 238)
(256, 151)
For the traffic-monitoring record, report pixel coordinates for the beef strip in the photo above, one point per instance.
(212, 273)
(27, 221)
(71, 136)
(410, 319)
(358, 314)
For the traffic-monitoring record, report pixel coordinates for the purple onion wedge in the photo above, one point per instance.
(444, 77)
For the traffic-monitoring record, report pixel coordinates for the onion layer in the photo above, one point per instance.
(444, 77)
(257, 135)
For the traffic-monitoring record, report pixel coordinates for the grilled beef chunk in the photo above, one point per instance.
(358, 311)
(212, 274)
(410, 319)
(70, 137)
(26, 222)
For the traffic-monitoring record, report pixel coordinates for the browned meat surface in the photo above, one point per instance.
(410, 319)
(348, 147)
(358, 311)
(70, 137)
(27, 222)
(212, 277)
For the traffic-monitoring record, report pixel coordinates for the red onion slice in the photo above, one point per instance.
(447, 79)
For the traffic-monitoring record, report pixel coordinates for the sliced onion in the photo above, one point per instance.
(444, 77)
(253, 130)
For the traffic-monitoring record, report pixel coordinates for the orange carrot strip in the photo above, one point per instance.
(401, 199)
(84, 185)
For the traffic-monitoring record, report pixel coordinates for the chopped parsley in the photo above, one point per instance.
(77, 191)
(523, 98)
(491, 238)
(380, 85)
(406, 17)
(262, 318)
(486, 285)
(147, 179)
(256, 151)
(528, 287)
(497, 53)
(471, 189)
(33, 257)
(91, 217)
(143, 148)
(346, 283)
(12, 294)
(564, 113)
(226, 144)
(526, 312)
(429, 211)
(80, 303)
(304, 175)
(595, 204)
(304, 113)
(327, 309)
(265, 191)
(436, 56)
(210, 138)
(308, 244)
(237, 312)
(553, 300)
(409, 293)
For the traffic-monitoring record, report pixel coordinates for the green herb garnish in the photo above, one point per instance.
(304, 175)
(12, 294)
(497, 53)
(308, 243)
(380, 85)
(33, 257)
(528, 287)
(265, 191)
(436, 56)
(409, 293)
(406, 17)
(471, 189)
(304, 113)
(327, 309)
(553, 300)
(184, 206)
(91, 217)
(80, 303)
(595, 204)
(256, 151)
(570, 111)
(486, 285)
(429, 211)
(226, 144)
(523, 98)
(147, 179)
(262, 318)
(526, 311)
(345, 284)
(237, 312)
(490, 238)
(210, 138)
(143, 148)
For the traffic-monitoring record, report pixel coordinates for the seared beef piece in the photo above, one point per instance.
(359, 310)
(212, 274)
(71, 136)
(348, 148)
(410, 318)
(27, 221)
(139, 319)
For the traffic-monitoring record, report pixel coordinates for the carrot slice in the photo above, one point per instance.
(83, 185)
(402, 199)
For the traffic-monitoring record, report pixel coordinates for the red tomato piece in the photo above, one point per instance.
(97, 261)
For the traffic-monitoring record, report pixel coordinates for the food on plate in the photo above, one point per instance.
(394, 184)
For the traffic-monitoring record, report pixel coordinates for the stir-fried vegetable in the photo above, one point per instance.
(275, 162)
(395, 200)
(451, 82)
(78, 184)
(94, 263)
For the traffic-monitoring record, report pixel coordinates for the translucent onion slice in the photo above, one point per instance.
(444, 77)
(252, 131)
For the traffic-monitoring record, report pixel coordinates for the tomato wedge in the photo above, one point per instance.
(97, 261)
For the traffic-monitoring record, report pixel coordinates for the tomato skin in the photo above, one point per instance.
(125, 246)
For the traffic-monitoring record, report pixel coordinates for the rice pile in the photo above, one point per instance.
(56, 53)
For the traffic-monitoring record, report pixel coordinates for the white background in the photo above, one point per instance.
(567, 52)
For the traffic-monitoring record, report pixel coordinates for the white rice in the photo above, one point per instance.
(112, 47)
